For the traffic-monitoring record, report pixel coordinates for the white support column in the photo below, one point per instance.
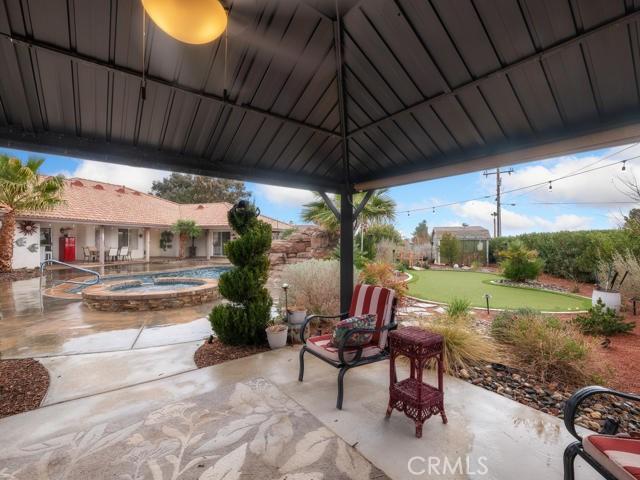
(486, 246)
(209, 243)
(147, 245)
(101, 244)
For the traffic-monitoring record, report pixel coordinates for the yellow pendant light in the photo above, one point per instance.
(190, 21)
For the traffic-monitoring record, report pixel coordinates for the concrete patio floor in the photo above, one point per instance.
(512, 440)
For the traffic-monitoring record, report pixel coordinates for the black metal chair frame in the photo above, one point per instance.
(343, 365)
(610, 428)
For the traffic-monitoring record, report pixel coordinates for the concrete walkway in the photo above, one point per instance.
(512, 440)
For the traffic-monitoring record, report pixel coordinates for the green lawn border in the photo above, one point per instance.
(573, 295)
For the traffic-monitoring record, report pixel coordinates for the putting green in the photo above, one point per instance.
(443, 285)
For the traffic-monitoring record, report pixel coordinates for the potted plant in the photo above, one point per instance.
(277, 332)
(296, 315)
(606, 290)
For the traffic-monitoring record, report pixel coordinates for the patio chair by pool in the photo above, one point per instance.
(615, 457)
(124, 254)
(86, 253)
(367, 299)
(113, 254)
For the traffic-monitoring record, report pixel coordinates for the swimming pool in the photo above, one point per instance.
(148, 278)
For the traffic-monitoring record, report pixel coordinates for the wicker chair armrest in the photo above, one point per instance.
(311, 318)
(572, 405)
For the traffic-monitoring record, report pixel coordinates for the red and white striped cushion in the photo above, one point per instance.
(321, 345)
(619, 455)
(371, 299)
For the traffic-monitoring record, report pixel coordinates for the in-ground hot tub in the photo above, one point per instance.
(162, 293)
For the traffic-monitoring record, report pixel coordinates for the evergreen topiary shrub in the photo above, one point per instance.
(244, 319)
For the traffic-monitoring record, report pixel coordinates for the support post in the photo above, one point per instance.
(346, 251)
(209, 245)
(147, 245)
(101, 244)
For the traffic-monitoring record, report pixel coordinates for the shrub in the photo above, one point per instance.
(450, 248)
(625, 262)
(602, 320)
(573, 255)
(519, 263)
(458, 308)
(381, 273)
(314, 285)
(463, 346)
(243, 321)
(546, 344)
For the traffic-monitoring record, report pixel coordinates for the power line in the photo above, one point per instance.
(518, 189)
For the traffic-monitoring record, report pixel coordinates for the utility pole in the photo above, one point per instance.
(498, 216)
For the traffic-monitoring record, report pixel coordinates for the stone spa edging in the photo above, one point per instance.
(115, 297)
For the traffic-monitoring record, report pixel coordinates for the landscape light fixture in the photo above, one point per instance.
(189, 21)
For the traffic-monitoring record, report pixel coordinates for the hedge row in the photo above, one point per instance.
(572, 255)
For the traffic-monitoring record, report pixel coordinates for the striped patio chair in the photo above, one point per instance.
(367, 299)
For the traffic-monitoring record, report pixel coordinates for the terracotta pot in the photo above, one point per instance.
(277, 339)
(611, 300)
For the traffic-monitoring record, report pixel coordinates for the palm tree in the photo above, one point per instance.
(22, 189)
(186, 229)
(380, 208)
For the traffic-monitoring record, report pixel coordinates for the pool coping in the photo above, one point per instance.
(61, 291)
(104, 291)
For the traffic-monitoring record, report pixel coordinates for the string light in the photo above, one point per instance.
(624, 165)
(434, 209)
(550, 187)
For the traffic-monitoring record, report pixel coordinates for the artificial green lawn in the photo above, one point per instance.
(443, 285)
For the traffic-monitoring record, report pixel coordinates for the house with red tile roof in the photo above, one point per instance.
(98, 219)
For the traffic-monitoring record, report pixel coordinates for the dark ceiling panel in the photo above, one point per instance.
(425, 83)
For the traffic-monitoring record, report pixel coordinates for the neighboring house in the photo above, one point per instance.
(474, 242)
(104, 216)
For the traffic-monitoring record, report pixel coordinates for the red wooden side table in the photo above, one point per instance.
(417, 399)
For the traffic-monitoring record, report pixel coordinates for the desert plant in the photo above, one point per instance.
(519, 263)
(243, 321)
(185, 229)
(450, 248)
(463, 346)
(385, 251)
(628, 267)
(545, 344)
(314, 285)
(602, 320)
(23, 189)
(458, 308)
(382, 274)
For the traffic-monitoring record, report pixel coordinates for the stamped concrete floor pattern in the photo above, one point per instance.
(512, 440)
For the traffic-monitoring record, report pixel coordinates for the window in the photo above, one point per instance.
(45, 237)
(123, 237)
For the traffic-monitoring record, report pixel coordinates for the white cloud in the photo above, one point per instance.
(292, 197)
(603, 185)
(133, 177)
(479, 213)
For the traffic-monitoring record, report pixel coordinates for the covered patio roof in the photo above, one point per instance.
(372, 93)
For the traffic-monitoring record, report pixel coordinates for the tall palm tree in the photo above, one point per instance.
(22, 189)
(380, 208)
(186, 229)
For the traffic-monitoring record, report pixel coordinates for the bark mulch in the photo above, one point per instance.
(22, 274)
(23, 384)
(217, 352)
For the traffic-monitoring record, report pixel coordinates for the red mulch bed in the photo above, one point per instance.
(217, 352)
(23, 384)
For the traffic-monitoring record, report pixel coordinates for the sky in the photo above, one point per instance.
(565, 207)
